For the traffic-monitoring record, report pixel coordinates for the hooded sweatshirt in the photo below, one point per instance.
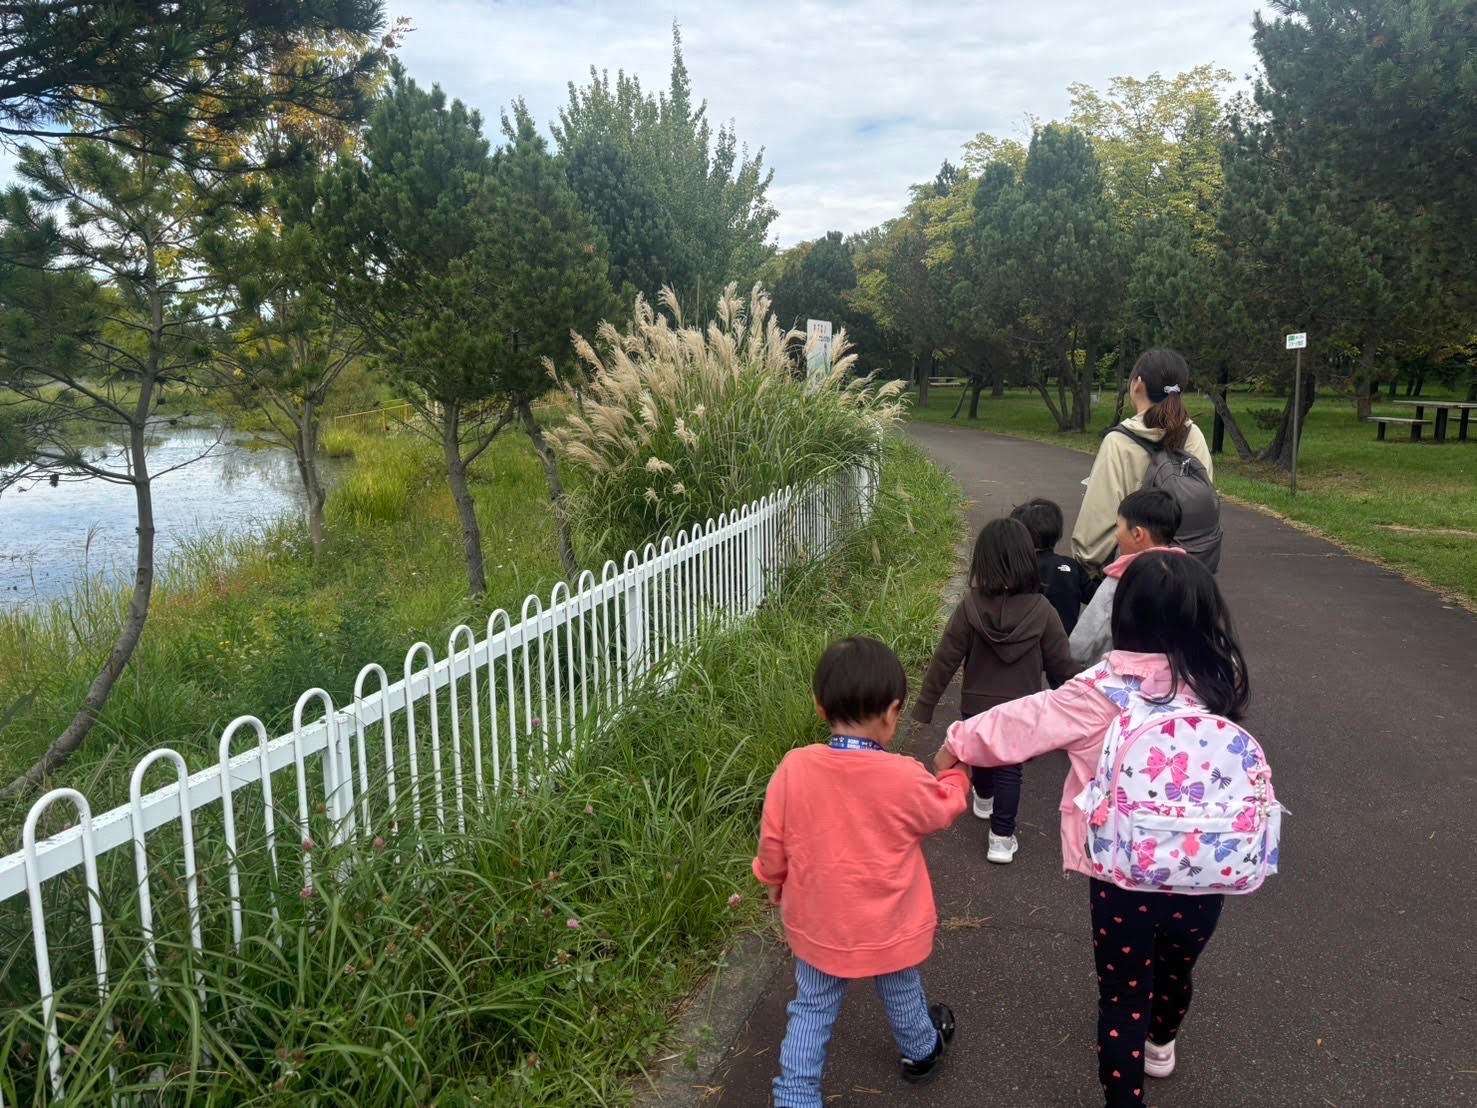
(1092, 638)
(1004, 643)
(1117, 471)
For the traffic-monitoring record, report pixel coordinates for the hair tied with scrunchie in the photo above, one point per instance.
(1171, 388)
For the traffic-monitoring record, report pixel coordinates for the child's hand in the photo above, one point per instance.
(944, 759)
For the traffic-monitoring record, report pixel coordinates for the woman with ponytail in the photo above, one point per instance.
(1157, 388)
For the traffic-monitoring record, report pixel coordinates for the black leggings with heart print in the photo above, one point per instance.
(1145, 946)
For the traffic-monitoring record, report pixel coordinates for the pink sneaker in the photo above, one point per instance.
(1158, 1060)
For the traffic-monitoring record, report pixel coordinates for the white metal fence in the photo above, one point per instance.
(525, 691)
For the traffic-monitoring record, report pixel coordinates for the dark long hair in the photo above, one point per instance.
(1004, 562)
(1166, 377)
(1170, 604)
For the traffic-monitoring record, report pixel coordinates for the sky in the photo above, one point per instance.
(852, 102)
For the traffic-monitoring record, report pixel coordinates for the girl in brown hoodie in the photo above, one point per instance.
(1005, 634)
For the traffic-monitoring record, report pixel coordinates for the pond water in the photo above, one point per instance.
(52, 536)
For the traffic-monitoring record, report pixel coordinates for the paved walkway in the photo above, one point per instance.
(1350, 979)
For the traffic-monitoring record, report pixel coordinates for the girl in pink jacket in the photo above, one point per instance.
(1172, 633)
(841, 850)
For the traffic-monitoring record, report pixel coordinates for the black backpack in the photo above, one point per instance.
(1185, 479)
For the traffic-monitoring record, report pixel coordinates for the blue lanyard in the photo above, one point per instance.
(851, 742)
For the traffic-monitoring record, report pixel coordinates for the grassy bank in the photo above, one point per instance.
(1412, 506)
(245, 625)
(540, 964)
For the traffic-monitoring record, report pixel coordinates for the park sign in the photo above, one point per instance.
(1298, 342)
(817, 346)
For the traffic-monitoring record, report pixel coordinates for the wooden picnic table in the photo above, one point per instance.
(1443, 409)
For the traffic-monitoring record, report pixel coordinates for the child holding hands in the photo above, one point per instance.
(840, 849)
(1176, 653)
(1006, 636)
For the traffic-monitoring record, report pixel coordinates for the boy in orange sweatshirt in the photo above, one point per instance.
(840, 848)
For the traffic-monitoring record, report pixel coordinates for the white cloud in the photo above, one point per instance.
(852, 102)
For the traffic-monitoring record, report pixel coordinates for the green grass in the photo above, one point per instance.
(541, 962)
(1411, 506)
(245, 625)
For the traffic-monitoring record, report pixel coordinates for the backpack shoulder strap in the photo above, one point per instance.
(1148, 444)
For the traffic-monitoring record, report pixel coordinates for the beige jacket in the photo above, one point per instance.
(1117, 471)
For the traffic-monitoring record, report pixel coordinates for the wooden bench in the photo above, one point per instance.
(1416, 426)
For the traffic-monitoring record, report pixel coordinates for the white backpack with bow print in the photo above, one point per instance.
(1182, 800)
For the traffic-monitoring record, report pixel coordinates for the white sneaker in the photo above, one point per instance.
(984, 806)
(1158, 1060)
(1002, 848)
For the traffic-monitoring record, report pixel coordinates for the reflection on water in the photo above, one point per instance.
(49, 536)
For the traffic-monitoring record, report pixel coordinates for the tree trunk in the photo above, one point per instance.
(305, 448)
(556, 488)
(456, 476)
(1056, 412)
(958, 407)
(1066, 419)
(1472, 390)
(1218, 430)
(1124, 362)
(977, 386)
(1364, 381)
(1394, 383)
(1086, 383)
(1279, 450)
(925, 376)
(997, 382)
(1420, 383)
(1223, 412)
(65, 744)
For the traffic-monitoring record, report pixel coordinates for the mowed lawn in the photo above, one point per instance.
(1411, 506)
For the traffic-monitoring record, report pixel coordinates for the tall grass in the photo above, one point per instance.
(540, 962)
(677, 424)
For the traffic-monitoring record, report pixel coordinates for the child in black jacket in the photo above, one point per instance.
(1063, 580)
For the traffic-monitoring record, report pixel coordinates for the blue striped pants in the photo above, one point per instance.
(813, 1013)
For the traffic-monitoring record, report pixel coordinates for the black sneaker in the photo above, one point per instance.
(917, 1071)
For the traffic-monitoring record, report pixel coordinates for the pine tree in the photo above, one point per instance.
(1061, 250)
(712, 193)
(1384, 93)
(288, 344)
(813, 280)
(552, 276)
(174, 79)
(103, 303)
(406, 239)
(639, 230)
(1313, 254)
